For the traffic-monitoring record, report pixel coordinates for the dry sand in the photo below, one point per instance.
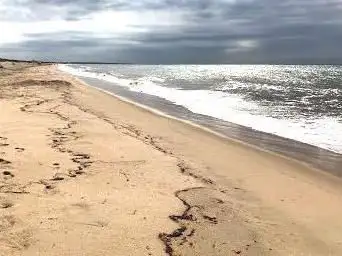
(84, 173)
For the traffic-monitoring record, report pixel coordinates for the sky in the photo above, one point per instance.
(173, 31)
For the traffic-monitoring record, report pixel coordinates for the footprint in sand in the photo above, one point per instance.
(3, 142)
(58, 177)
(72, 173)
(48, 185)
(5, 203)
(56, 165)
(8, 174)
(4, 162)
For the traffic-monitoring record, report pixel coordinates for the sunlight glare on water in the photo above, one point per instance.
(302, 103)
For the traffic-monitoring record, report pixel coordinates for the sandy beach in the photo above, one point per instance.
(85, 173)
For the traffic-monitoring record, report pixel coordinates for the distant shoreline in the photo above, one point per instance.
(128, 63)
(63, 62)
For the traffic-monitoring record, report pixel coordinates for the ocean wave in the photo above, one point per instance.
(319, 131)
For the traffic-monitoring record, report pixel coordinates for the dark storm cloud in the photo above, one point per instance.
(103, 52)
(222, 31)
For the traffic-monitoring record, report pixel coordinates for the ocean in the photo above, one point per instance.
(294, 103)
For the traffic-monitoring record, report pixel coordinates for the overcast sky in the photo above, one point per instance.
(173, 31)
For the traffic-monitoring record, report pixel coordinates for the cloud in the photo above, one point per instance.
(167, 31)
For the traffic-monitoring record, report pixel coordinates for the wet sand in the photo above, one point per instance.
(311, 155)
(84, 173)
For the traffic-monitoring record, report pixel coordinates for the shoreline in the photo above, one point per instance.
(93, 174)
(321, 166)
(310, 129)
